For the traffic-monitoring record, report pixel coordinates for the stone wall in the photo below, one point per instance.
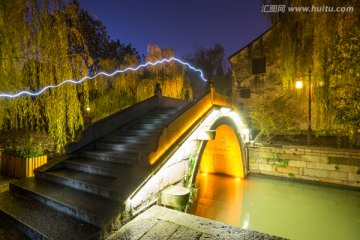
(326, 165)
(243, 77)
(174, 171)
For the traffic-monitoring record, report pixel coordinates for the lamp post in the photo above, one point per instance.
(298, 85)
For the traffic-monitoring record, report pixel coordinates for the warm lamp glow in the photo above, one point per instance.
(225, 110)
(299, 84)
(88, 109)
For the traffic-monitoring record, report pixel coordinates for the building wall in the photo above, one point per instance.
(244, 78)
(326, 165)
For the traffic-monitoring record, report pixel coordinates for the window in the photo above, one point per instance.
(241, 106)
(259, 65)
(245, 93)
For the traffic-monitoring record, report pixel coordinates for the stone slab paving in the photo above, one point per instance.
(162, 223)
(4, 182)
(6, 230)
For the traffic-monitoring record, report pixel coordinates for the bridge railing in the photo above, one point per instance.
(164, 138)
(109, 124)
(222, 100)
(180, 124)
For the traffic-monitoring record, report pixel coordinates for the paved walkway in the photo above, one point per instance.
(163, 223)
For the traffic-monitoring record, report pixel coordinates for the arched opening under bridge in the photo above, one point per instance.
(217, 184)
(224, 154)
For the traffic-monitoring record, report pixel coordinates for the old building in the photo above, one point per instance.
(254, 72)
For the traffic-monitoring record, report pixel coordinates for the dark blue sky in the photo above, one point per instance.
(181, 24)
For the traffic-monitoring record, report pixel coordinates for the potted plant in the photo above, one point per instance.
(23, 152)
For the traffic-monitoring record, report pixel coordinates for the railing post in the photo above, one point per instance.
(157, 90)
(212, 92)
(187, 97)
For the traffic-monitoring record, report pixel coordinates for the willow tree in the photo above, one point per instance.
(212, 62)
(304, 41)
(344, 83)
(171, 76)
(34, 50)
(111, 94)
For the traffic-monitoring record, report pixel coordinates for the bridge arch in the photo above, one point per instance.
(225, 154)
(185, 143)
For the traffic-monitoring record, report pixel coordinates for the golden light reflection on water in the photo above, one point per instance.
(289, 209)
(218, 198)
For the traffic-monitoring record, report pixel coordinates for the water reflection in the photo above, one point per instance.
(288, 209)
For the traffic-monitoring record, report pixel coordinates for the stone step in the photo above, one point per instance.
(38, 221)
(143, 126)
(168, 109)
(129, 139)
(161, 116)
(123, 157)
(135, 132)
(7, 231)
(91, 183)
(97, 167)
(118, 146)
(147, 120)
(162, 112)
(90, 208)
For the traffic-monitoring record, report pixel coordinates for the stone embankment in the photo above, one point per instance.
(318, 164)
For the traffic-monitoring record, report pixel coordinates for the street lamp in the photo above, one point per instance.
(299, 85)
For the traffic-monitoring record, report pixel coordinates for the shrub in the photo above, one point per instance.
(27, 144)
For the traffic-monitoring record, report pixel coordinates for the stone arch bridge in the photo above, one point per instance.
(122, 163)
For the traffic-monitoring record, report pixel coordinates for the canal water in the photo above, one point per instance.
(285, 208)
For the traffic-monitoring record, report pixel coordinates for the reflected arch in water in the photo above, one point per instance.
(225, 154)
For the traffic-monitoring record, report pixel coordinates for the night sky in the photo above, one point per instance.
(181, 24)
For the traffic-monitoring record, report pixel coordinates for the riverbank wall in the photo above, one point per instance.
(316, 164)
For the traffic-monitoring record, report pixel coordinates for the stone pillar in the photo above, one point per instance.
(209, 85)
(157, 90)
(187, 97)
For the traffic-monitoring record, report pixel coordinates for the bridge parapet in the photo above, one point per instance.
(183, 122)
(222, 100)
(178, 126)
(109, 124)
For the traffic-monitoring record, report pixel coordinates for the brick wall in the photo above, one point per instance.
(327, 165)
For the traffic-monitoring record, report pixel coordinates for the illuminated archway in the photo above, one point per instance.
(223, 155)
(183, 164)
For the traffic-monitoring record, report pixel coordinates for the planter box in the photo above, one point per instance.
(20, 167)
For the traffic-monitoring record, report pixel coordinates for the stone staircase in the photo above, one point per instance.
(82, 197)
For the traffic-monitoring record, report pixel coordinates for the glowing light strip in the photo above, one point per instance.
(167, 60)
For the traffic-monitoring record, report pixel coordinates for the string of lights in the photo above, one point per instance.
(167, 60)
